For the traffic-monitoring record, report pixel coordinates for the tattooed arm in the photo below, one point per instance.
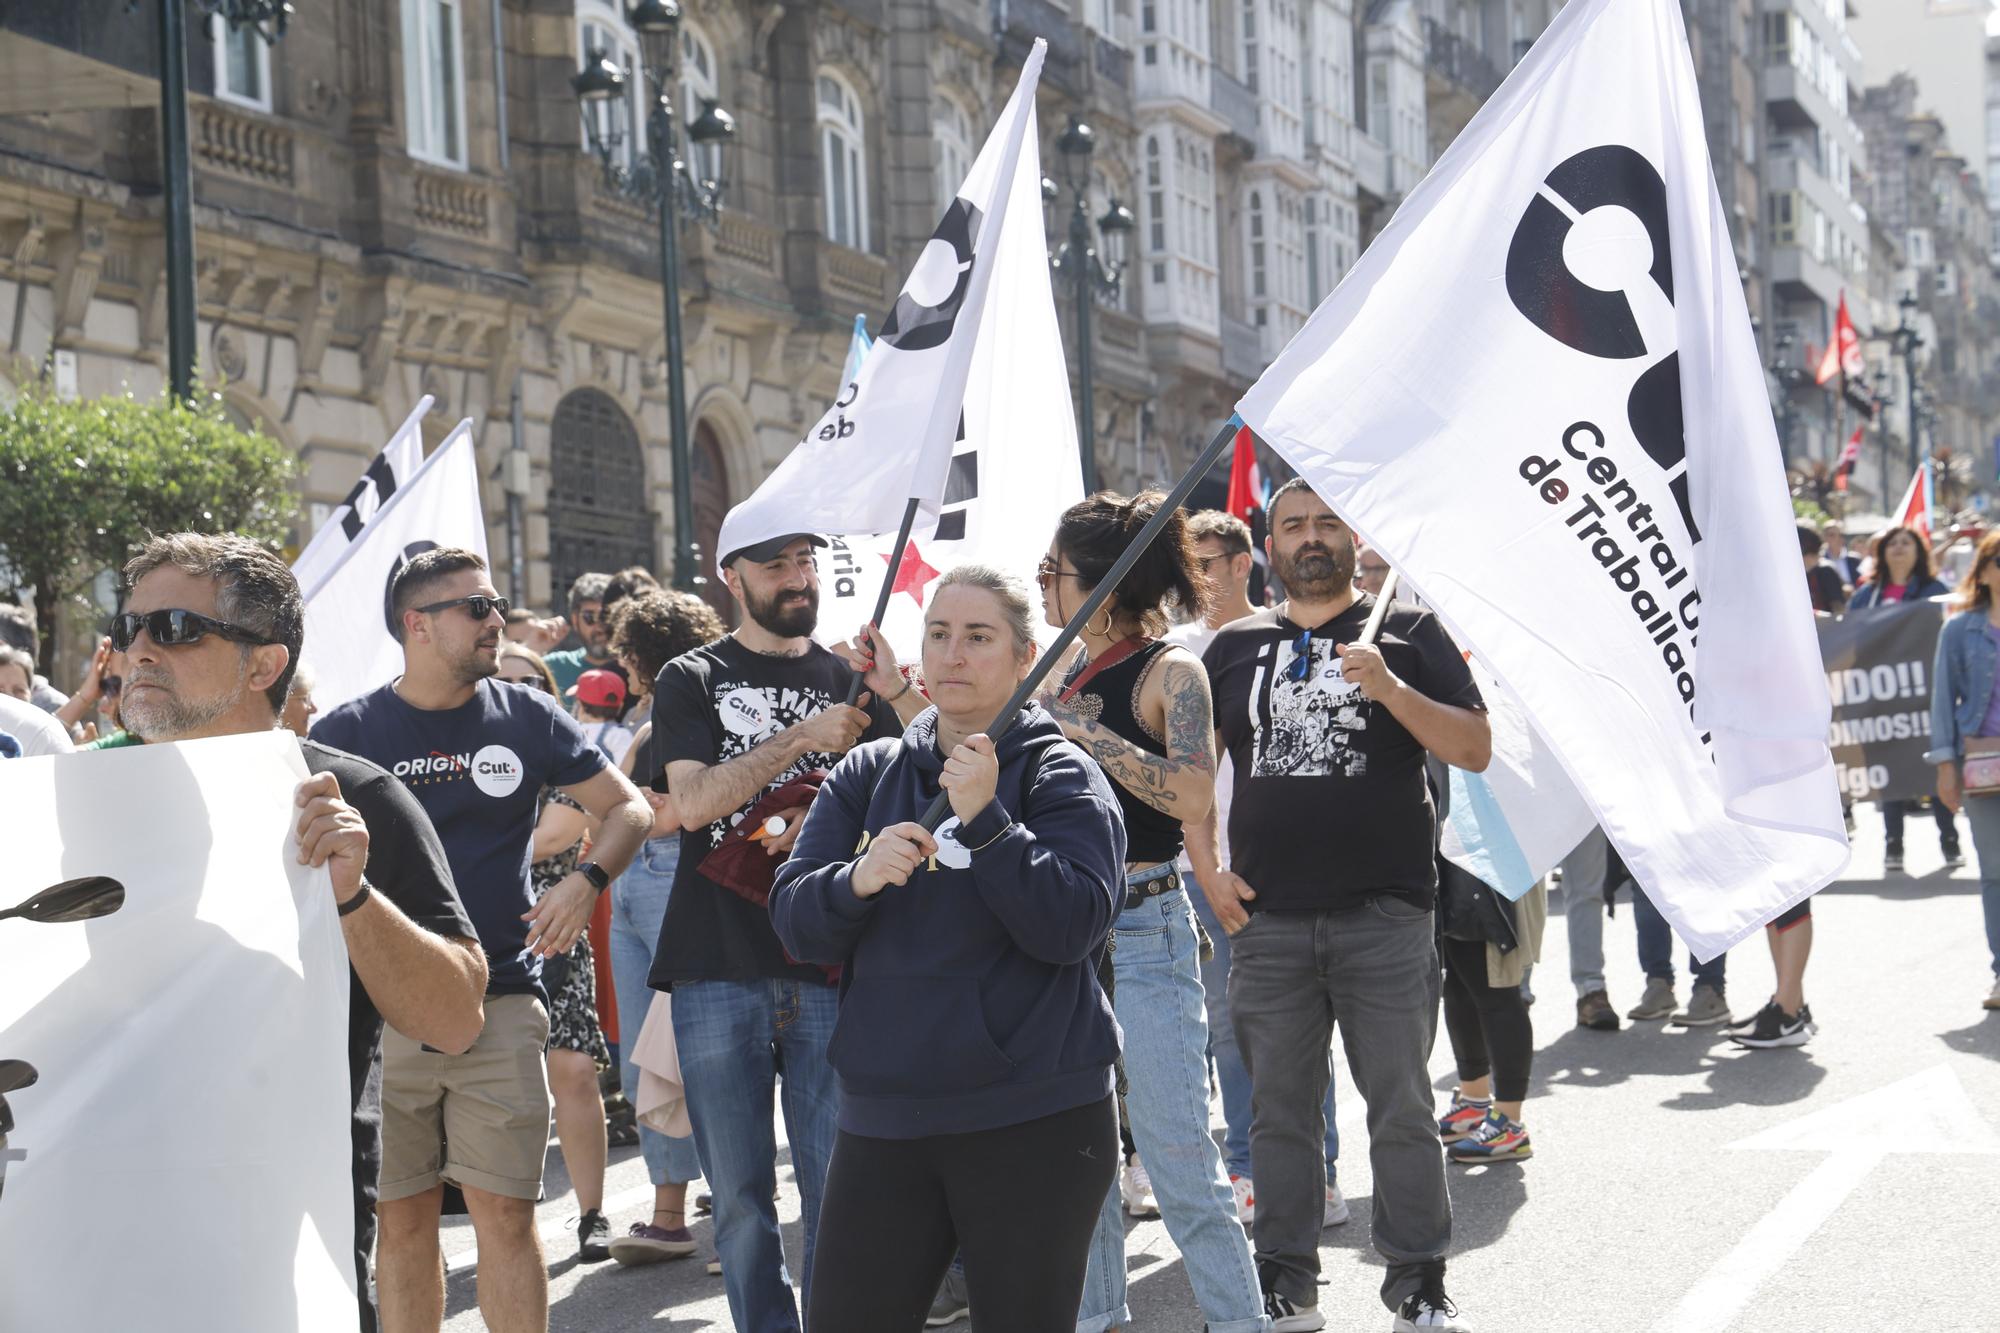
(1183, 783)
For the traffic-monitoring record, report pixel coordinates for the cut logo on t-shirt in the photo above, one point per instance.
(751, 715)
(497, 770)
(1310, 728)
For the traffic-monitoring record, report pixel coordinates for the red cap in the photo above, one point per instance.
(599, 689)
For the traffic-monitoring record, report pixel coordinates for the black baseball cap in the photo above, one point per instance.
(769, 550)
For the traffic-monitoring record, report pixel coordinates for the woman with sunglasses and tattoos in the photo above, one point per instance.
(1139, 706)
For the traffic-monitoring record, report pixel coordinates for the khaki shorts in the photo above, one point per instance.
(480, 1119)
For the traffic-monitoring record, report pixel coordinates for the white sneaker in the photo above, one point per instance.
(1136, 1188)
(1246, 1196)
(1337, 1212)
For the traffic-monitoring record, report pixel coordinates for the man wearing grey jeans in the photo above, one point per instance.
(1583, 905)
(1328, 901)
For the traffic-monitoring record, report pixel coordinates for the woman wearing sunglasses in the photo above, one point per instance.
(1139, 706)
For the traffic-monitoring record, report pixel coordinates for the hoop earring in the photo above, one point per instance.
(1106, 631)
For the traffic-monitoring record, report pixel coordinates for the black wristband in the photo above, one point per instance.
(599, 878)
(361, 896)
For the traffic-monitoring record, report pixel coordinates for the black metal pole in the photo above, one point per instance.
(1910, 391)
(177, 187)
(685, 576)
(1081, 273)
(888, 585)
(1099, 595)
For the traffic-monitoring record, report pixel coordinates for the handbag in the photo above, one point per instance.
(1981, 775)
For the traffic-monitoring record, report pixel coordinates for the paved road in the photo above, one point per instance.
(1679, 1184)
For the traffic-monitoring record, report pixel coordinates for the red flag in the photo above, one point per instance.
(1915, 510)
(1246, 485)
(1851, 454)
(1843, 350)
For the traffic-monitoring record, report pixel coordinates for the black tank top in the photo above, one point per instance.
(1111, 700)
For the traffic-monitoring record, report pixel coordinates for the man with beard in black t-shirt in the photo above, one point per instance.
(233, 622)
(1328, 899)
(732, 720)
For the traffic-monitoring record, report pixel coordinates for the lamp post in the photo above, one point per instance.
(661, 178)
(1077, 262)
(1883, 383)
(268, 18)
(1787, 376)
(1907, 341)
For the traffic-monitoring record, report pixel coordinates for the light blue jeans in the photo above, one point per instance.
(735, 1039)
(1230, 1074)
(1160, 1008)
(1983, 813)
(638, 906)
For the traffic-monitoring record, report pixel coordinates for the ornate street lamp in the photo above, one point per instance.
(1092, 277)
(660, 177)
(1907, 341)
(1788, 377)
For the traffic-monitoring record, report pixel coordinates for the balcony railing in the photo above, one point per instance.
(1459, 61)
(1114, 62)
(1235, 103)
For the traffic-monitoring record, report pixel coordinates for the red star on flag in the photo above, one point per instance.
(913, 575)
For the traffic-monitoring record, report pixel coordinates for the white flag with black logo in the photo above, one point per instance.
(888, 438)
(349, 644)
(1539, 394)
(386, 473)
(1014, 465)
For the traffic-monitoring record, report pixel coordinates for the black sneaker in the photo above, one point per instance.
(1953, 857)
(1739, 1026)
(1775, 1027)
(1429, 1310)
(1892, 861)
(593, 1238)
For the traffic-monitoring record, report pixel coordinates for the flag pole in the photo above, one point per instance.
(1099, 595)
(888, 585)
(1380, 609)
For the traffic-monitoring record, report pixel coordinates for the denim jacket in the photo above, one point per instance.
(1961, 684)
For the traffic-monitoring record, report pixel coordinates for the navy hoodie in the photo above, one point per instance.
(969, 999)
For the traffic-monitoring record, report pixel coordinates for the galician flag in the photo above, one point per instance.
(891, 434)
(857, 349)
(1013, 466)
(349, 644)
(1539, 396)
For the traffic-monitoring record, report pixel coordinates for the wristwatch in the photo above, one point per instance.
(595, 873)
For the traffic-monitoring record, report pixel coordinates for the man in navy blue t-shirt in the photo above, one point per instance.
(475, 753)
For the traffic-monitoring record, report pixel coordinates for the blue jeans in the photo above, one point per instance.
(638, 906)
(1229, 1071)
(1893, 814)
(1983, 813)
(735, 1038)
(1160, 1009)
(1656, 947)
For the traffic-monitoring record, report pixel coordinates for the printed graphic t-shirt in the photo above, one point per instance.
(1330, 802)
(711, 705)
(476, 770)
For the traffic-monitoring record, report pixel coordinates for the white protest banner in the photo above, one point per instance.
(349, 643)
(190, 1050)
(1539, 395)
(386, 473)
(888, 438)
(1014, 469)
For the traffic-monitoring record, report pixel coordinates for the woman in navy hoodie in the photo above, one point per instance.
(974, 1047)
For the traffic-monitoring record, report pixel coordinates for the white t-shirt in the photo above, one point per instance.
(1195, 636)
(614, 738)
(38, 732)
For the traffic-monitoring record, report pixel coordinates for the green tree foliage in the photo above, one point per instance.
(83, 483)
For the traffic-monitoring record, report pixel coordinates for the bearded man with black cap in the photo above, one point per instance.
(733, 720)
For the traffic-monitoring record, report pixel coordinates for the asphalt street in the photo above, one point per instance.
(1679, 1184)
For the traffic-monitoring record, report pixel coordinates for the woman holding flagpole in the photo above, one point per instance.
(1140, 707)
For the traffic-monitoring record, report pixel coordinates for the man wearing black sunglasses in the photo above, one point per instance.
(1328, 897)
(588, 621)
(476, 753)
(211, 634)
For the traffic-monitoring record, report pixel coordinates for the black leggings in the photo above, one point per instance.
(1021, 1203)
(1489, 1025)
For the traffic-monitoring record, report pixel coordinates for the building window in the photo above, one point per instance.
(700, 85)
(434, 81)
(1258, 280)
(600, 28)
(1250, 44)
(242, 65)
(951, 130)
(1156, 198)
(844, 157)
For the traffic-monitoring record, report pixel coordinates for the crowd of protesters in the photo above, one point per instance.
(983, 1034)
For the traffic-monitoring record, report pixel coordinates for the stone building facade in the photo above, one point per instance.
(394, 200)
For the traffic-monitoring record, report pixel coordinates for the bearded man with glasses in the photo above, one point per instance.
(476, 753)
(1328, 900)
(211, 634)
